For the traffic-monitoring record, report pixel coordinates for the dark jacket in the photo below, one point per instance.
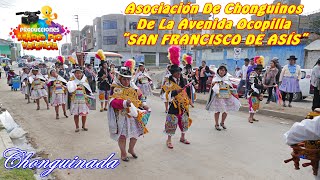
(279, 67)
(104, 84)
(183, 82)
(257, 84)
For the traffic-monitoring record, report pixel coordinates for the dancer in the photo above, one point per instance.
(104, 82)
(125, 120)
(289, 80)
(79, 89)
(143, 80)
(255, 92)
(221, 99)
(25, 86)
(162, 94)
(178, 99)
(191, 78)
(38, 89)
(57, 92)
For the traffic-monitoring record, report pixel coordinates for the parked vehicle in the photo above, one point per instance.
(90, 57)
(305, 86)
(39, 60)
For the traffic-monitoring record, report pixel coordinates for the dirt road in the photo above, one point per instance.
(244, 151)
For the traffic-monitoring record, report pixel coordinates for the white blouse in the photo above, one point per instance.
(286, 73)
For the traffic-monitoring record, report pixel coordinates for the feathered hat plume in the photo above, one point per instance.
(174, 55)
(61, 59)
(131, 64)
(72, 60)
(187, 59)
(100, 55)
(259, 60)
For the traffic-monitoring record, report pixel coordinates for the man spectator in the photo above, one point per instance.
(243, 76)
(1, 69)
(238, 72)
(91, 76)
(6, 69)
(279, 67)
(203, 69)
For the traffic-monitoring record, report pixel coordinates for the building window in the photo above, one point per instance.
(216, 50)
(183, 47)
(109, 40)
(109, 25)
(133, 25)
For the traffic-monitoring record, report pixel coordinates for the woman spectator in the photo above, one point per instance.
(289, 80)
(269, 79)
(315, 81)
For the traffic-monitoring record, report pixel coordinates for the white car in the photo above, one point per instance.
(305, 85)
(39, 60)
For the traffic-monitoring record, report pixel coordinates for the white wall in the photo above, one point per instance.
(208, 55)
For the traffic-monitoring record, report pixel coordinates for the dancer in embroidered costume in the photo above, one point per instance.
(127, 114)
(38, 87)
(57, 92)
(255, 94)
(80, 91)
(143, 80)
(221, 98)
(176, 95)
(25, 86)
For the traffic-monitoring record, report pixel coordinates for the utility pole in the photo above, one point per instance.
(77, 20)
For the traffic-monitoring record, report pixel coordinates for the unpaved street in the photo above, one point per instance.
(244, 151)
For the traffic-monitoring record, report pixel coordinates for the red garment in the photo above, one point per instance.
(117, 104)
(11, 75)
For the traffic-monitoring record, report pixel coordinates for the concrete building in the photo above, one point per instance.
(108, 35)
(66, 49)
(75, 41)
(87, 38)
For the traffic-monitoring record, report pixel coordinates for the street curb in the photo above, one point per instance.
(6, 139)
(264, 112)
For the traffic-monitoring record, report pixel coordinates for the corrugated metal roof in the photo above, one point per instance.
(314, 46)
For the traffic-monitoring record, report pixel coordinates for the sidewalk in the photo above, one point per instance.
(272, 109)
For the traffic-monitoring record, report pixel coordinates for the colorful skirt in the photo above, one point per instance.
(224, 104)
(79, 109)
(103, 95)
(58, 99)
(25, 90)
(173, 121)
(131, 129)
(290, 85)
(254, 104)
(145, 89)
(38, 93)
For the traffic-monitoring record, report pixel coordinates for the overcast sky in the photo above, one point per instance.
(88, 10)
